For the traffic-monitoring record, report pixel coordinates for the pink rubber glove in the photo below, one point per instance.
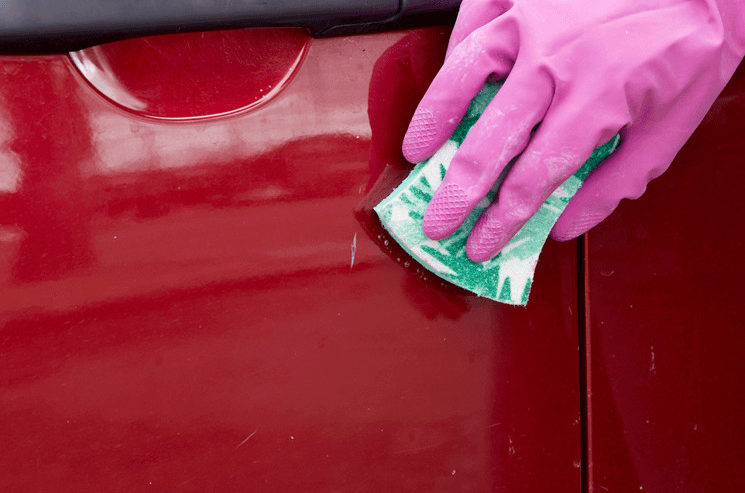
(584, 70)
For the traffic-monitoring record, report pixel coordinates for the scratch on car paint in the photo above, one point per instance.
(354, 251)
(247, 439)
(652, 367)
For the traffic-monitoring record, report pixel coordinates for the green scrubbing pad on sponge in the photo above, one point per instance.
(508, 276)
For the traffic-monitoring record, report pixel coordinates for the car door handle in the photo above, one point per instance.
(55, 26)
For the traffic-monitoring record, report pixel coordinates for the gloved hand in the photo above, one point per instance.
(584, 70)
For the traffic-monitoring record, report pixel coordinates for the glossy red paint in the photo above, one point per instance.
(666, 384)
(197, 305)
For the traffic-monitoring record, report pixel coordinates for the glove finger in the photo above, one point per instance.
(561, 145)
(489, 50)
(500, 134)
(474, 14)
(639, 159)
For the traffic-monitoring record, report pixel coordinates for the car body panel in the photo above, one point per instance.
(203, 304)
(666, 319)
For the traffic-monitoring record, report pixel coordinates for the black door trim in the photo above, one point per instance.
(58, 26)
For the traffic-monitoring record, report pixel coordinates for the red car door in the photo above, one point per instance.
(665, 322)
(194, 296)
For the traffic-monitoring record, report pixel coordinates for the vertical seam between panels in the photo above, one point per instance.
(585, 387)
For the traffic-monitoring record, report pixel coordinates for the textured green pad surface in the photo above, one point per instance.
(508, 276)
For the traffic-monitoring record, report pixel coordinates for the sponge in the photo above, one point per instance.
(506, 278)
